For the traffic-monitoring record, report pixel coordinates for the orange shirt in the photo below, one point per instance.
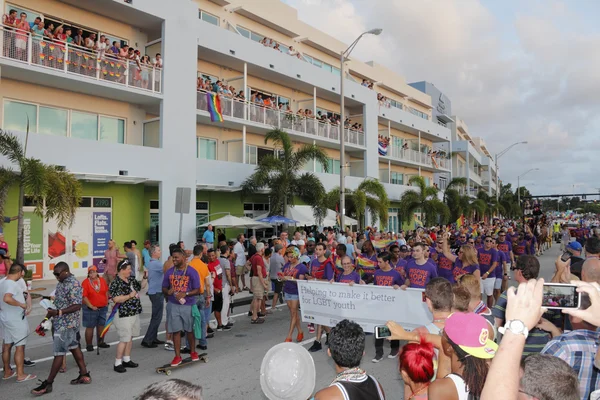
(98, 298)
(202, 270)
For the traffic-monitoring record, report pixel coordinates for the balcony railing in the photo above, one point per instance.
(418, 157)
(70, 59)
(273, 117)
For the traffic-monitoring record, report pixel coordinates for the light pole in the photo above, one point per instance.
(519, 183)
(343, 57)
(498, 155)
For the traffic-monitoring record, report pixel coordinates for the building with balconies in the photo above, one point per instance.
(134, 132)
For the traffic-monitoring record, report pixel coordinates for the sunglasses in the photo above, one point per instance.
(489, 241)
(57, 274)
(463, 237)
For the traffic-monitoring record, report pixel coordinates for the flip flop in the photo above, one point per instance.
(27, 378)
(5, 378)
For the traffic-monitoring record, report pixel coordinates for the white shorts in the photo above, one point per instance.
(15, 332)
(498, 283)
(488, 286)
(127, 327)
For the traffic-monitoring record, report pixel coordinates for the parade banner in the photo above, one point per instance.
(327, 304)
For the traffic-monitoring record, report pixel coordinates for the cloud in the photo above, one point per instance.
(513, 72)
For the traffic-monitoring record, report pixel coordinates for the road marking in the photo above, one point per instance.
(141, 337)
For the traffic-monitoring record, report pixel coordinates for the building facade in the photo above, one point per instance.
(134, 133)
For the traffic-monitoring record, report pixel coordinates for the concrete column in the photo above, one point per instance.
(178, 126)
(370, 128)
(244, 144)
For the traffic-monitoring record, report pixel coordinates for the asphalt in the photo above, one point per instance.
(231, 373)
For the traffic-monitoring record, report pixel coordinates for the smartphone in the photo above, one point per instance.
(565, 256)
(558, 296)
(382, 332)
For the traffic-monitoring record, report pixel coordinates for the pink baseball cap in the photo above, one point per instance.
(470, 332)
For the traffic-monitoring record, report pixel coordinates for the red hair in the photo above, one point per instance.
(416, 359)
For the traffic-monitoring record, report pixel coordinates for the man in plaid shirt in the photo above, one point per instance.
(578, 348)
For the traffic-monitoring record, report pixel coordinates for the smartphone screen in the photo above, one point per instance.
(559, 296)
(565, 256)
(382, 332)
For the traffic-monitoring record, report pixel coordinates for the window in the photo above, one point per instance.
(211, 19)
(396, 178)
(284, 101)
(244, 32)
(53, 121)
(418, 113)
(112, 130)
(256, 37)
(202, 217)
(251, 155)
(16, 115)
(152, 134)
(207, 149)
(333, 166)
(84, 125)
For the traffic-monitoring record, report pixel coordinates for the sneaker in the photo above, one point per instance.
(89, 348)
(45, 387)
(209, 330)
(249, 313)
(202, 347)
(378, 357)
(311, 328)
(28, 362)
(104, 345)
(169, 346)
(220, 328)
(229, 324)
(176, 361)
(394, 353)
(226, 328)
(194, 356)
(185, 350)
(315, 347)
(84, 379)
(120, 368)
(130, 364)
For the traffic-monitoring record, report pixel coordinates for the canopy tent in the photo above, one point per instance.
(304, 215)
(230, 221)
(256, 224)
(277, 219)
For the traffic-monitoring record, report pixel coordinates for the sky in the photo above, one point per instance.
(514, 70)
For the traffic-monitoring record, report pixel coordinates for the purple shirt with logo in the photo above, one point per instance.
(486, 259)
(420, 275)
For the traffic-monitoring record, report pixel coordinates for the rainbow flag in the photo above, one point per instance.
(418, 222)
(110, 319)
(214, 107)
(460, 222)
(365, 266)
(382, 243)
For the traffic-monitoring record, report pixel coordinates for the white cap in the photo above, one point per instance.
(287, 372)
(300, 242)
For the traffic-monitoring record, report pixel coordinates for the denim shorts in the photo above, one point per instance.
(93, 318)
(289, 296)
(65, 341)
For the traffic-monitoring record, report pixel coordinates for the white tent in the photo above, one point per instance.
(304, 215)
(230, 221)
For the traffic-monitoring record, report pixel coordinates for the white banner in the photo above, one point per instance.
(327, 304)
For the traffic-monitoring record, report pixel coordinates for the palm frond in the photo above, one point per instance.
(8, 178)
(308, 188)
(11, 148)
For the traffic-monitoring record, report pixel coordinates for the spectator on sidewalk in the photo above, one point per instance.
(154, 271)
(95, 306)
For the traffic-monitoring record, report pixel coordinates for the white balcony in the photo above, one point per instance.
(63, 65)
(408, 122)
(413, 158)
(240, 111)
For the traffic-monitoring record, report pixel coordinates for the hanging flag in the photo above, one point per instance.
(382, 146)
(214, 107)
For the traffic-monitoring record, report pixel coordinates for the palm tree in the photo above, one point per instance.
(279, 176)
(490, 205)
(370, 196)
(55, 192)
(426, 199)
(454, 199)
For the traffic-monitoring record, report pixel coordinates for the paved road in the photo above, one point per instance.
(232, 372)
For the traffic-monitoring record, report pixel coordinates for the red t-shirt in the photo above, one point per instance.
(256, 261)
(97, 296)
(215, 269)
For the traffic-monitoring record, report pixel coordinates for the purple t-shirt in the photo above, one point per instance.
(182, 281)
(399, 265)
(291, 287)
(505, 247)
(420, 275)
(500, 267)
(388, 278)
(445, 267)
(486, 259)
(351, 277)
(460, 270)
(322, 270)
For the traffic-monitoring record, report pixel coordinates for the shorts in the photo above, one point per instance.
(258, 288)
(217, 302)
(276, 285)
(240, 270)
(93, 318)
(498, 284)
(65, 341)
(488, 286)
(179, 318)
(21, 43)
(291, 297)
(127, 327)
(15, 332)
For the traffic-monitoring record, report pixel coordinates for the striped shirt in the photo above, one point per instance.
(578, 348)
(537, 338)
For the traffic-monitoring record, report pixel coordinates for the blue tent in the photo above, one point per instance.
(276, 220)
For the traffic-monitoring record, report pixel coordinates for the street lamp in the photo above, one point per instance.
(519, 183)
(498, 155)
(343, 57)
